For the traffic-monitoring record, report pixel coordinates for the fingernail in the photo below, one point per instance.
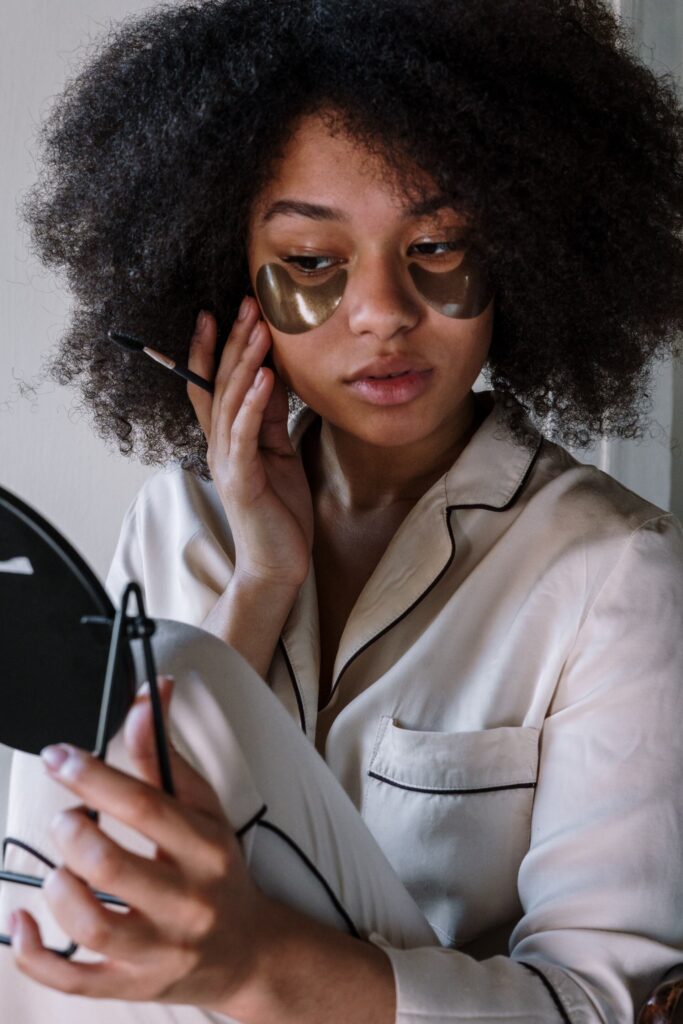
(201, 321)
(165, 684)
(54, 757)
(244, 309)
(259, 379)
(254, 336)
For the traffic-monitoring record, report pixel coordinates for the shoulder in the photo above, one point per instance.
(586, 498)
(174, 503)
(175, 494)
(173, 540)
(551, 497)
(572, 518)
(586, 515)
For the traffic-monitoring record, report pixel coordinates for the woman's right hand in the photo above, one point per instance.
(258, 475)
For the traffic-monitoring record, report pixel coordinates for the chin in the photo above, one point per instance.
(392, 438)
(395, 428)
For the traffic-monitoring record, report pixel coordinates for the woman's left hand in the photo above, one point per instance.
(197, 922)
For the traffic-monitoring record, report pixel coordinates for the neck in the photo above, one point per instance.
(360, 477)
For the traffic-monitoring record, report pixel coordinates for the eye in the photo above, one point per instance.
(310, 265)
(437, 249)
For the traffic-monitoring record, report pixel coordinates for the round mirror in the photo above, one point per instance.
(52, 662)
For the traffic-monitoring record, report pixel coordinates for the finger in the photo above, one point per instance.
(139, 734)
(150, 886)
(231, 391)
(176, 828)
(119, 935)
(140, 740)
(201, 360)
(238, 339)
(274, 435)
(246, 429)
(102, 980)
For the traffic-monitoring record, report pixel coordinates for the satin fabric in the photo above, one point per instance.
(505, 718)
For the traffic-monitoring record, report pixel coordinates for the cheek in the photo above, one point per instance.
(280, 357)
(306, 364)
(293, 359)
(479, 336)
(464, 344)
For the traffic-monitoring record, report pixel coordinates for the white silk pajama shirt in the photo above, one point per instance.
(506, 716)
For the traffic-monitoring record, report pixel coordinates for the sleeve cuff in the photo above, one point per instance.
(438, 985)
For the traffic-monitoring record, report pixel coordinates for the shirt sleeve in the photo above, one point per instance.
(601, 885)
(127, 563)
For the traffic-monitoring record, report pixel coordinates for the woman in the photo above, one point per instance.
(479, 634)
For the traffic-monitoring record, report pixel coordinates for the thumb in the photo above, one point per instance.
(140, 740)
(138, 733)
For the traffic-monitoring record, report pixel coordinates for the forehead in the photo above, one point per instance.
(325, 174)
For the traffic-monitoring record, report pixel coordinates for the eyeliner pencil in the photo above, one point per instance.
(131, 344)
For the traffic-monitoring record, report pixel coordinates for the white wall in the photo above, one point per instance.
(48, 454)
(654, 466)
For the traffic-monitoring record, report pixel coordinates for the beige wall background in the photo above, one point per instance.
(48, 452)
(656, 468)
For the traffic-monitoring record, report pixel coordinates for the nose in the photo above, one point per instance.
(379, 299)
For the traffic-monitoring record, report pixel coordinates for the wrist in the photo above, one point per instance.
(253, 590)
(305, 972)
(249, 616)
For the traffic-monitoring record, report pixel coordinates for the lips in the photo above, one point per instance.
(391, 388)
(387, 376)
(385, 369)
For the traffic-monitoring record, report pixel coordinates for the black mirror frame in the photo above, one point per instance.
(125, 629)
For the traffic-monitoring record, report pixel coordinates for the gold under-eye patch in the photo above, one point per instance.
(292, 307)
(462, 293)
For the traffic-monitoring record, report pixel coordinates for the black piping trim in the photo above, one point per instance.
(550, 990)
(383, 632)
(519, 488)
(436, 580)
(295, 685)
(446, 792)
(252, 821)
(309, 864)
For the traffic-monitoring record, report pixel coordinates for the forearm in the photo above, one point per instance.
(249, 616)
(311, 973)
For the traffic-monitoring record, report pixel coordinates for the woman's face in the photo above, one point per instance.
(355, 283)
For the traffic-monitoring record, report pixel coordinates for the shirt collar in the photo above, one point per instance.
(492, 467)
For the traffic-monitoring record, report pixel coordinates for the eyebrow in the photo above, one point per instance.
(315, 211)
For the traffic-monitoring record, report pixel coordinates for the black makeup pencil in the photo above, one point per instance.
(132, 344)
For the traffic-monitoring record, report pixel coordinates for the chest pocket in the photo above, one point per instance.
(452, 812)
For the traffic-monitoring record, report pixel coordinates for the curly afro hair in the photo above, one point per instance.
(534, 115)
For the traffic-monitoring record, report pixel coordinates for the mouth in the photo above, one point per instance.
(393, 388)
(388, 376)
(386, 369)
